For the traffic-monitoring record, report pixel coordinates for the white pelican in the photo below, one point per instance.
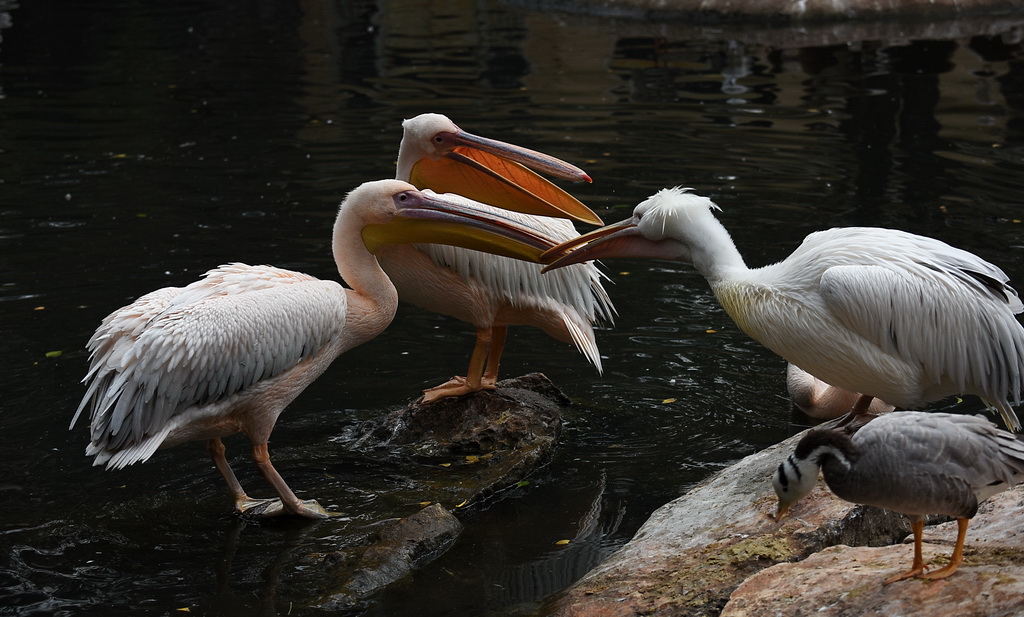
(229, 352)
(821, 401)
(912, 462)
(889, 314)
(488, 291)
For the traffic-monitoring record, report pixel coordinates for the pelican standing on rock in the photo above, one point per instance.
(493, 292)
(911, 462)
(229, 352)
(889, 314)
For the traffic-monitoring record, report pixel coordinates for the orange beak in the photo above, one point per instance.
(501, 174)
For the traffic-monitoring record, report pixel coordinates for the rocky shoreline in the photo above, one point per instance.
(717, 551)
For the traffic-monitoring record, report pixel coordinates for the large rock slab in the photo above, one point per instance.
(844, 581)
(694, 552)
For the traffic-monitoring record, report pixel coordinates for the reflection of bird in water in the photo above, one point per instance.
(821, 401)
(489, 291)
(916, 463)
(229, 352)
(893, 315)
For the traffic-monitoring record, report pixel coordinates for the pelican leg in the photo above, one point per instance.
(858, 415)
(958, 554)
(917, 525)
(288, 502)
(472, 382)
(242, 501)
(498, 335)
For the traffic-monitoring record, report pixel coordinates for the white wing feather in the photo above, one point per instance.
(179, 347)
(931, 303)
(576, 292)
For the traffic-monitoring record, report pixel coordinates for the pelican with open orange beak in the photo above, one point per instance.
(493, 292)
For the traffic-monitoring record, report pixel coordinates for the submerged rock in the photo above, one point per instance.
(398, 547)
(468, 450)
(693, 553)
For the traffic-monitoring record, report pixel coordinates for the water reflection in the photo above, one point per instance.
(141, 145)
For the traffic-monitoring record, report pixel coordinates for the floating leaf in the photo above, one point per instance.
(711, 331)
(624, 273)
(445, 464)
(472, 458)
(522, 483)
(669, 400)
(426, 503)
(562, 542)
(54, 354)
(464, 502)
(184, 609)
(39, 308)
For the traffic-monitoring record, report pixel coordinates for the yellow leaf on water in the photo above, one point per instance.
(472, 458)
(668, 400)
(624, 273)
(464, 502)
(711, 331)
(445, 464)
(39, 308)
(53, 354)
(426, 503)
(124, 156)
(562, 542)
(183, 610)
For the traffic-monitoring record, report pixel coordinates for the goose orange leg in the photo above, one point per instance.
(917, 525)
(958, 553)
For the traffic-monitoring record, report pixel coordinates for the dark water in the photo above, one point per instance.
(142, 143)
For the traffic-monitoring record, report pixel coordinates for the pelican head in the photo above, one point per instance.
(436, 154)
(673, 224)
(395, 212)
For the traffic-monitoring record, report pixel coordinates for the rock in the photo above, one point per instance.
(692, 553)
(845, 582)
(461, 452)
(398, 547)
(493, 438)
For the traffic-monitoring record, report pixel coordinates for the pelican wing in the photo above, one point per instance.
(176, 348)
(575, 292)
(932, 304)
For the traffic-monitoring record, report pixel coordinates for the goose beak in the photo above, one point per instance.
(503, 175)
(782, 511)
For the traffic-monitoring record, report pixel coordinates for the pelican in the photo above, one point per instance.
(493, 292)
(912, 462)
(227, 353)
(822, 401)
(885, 313)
